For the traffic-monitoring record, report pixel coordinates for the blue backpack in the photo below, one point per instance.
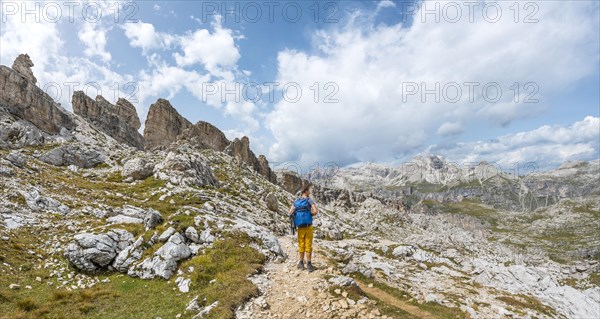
(303, 217)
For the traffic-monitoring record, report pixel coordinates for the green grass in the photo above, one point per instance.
(437, 310)
(520, 302)
(229, 261)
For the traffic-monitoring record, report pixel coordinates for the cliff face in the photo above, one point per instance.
(119, 121)
(163, 125)
(22, 98)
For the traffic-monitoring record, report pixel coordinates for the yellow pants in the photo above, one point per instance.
(305, 239)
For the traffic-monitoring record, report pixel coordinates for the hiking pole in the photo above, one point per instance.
(292, 223)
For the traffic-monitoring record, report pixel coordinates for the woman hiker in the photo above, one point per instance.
(304, 209)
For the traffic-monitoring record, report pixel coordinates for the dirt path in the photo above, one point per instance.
(393, 301)
(287, 292)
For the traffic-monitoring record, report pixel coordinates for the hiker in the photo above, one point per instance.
(304, 209)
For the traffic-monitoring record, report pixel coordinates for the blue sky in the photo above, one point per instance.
(371, 53)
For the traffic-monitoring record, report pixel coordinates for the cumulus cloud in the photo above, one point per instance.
(374, 66)
(94, 37)
(547, 146)
(143, 35)
(215, 50)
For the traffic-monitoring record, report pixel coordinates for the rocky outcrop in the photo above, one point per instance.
(265, 170)
(185, 168)
(205, 135)
(137, 168)
(94, 252)
(119, 121)
(163, 125)
(74, 154)
(22, 98)
(164, 262)
(240, 148)
(23, 65)
(290, 181)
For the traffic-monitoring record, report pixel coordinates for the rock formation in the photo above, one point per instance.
(290, 181)
(163, 125)
(205, 135)
(22, 98)
(240, 148)
(23, 65)
(119, 121)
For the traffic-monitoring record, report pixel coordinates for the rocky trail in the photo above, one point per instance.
(287, 292)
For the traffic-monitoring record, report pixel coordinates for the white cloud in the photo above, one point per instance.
(450, 129)
(376, 119)
(93, 36)
(215, 50)
(143, 35)
(547, 146)
(385, 4)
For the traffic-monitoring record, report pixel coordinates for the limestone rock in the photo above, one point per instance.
(290, 181)
(137, 169)
(152, 219)
(126, 257)
(23, 65)
(93, 252)
(163, 125)
(74, 154)
(185, 168)
(265, 170)
(164, 262)
(205, 135)
(119, 121)
(22, 98)
(272, 202)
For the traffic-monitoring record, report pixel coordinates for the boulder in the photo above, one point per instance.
(39, 203)
(204, 135)
(163, 125)
(94, 252)
(164, 262)
(126, 257)
(192, 234)
(137, 169)
(272, 202)
(118, 121)
(22, 98)
(185, 168)
(74, 154)
(166, 234)
(152, 219)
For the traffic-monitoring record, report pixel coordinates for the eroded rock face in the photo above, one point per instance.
(22, 98)
(240, 148)
(205, 135)
(119, 121)
(94, 252)
(163, 125)
(23, 65)
(265, 170)
(291, 182)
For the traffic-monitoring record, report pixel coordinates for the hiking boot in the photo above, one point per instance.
(301, 265)
(310, 267)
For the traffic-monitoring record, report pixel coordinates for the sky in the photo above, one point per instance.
(343, 82)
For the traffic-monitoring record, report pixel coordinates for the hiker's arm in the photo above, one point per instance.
(313, 209)
(291, 209)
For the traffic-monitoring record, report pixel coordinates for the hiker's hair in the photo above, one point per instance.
(305, 190)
